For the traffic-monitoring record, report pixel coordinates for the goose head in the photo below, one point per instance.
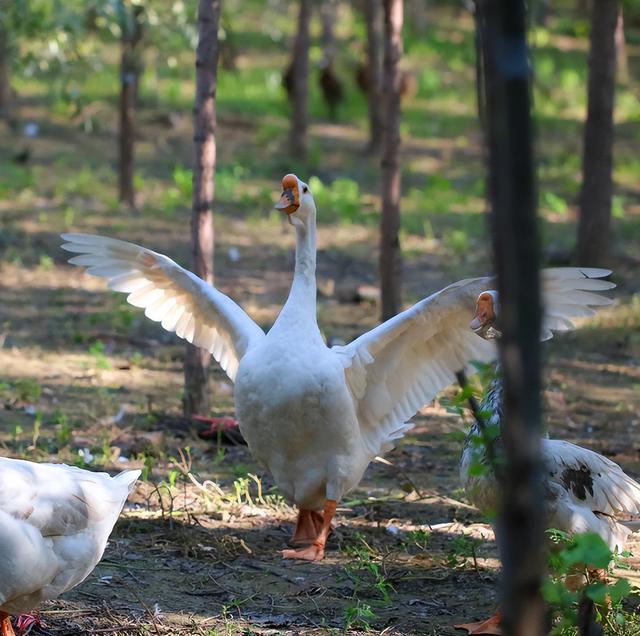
(484, 320)
(297, 201)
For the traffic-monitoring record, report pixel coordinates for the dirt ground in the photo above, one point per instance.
(409, 556)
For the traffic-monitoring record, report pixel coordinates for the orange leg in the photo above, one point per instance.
(308, 527)
(490, 626)
(315, 551)
(5, 625)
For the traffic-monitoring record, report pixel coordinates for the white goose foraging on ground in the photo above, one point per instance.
(583, 490)
(54, 524)
(315, 416)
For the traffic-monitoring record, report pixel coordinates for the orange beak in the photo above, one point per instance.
(289, 201)
(485, 313)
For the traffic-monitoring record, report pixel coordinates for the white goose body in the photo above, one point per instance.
(54, 524)
(316, 416)
(299, 388)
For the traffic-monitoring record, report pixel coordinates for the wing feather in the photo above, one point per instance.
(591, 479)
(401, 365)
(174, 297)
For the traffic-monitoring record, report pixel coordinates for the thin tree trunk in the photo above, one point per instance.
(196, 368)
(328, 17)
(130, 66)
(299, 141)
(373, 19)
(622, 60)
(417, 17)
(390, 256)
(594, 224)
(512, 196)
(5, 65)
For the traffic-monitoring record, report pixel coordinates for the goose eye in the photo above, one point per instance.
(305, 190)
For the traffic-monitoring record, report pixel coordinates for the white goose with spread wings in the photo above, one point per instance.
(54, 524)
(316, 416)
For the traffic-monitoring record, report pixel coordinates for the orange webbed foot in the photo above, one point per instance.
(491, 626)
(308, 527)
(313, 552)
(6, 629)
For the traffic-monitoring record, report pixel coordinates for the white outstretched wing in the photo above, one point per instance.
(569, 293)
(171, 295)
(401, 365)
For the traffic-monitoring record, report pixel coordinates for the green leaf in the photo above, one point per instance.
(597, 592)
(477, 469)
(589, 549)
(621, 589)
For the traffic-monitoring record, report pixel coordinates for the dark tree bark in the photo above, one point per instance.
(373, 19)
(512, 196)
(390, 256)
(594, 224)
(196, 368)
(299, 141)
(130, 67)
(5, 64)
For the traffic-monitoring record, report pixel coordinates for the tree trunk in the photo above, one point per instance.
(328, 17)
(5, 66)
(130, 67)
(417, 17)
(622, 60)
(299, 142)
(196, 368)
(512, 196)
(594, 224)
(390, 257)
(373, 19)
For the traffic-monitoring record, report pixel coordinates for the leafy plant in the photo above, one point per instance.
(580, 569)
(28, 390)
(359, 615)
(462, 549)
(63, 429)
(420, 538)
(96, 349)
(368, 570)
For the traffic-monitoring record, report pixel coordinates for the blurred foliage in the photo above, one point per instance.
(67, 54)
(580, 571)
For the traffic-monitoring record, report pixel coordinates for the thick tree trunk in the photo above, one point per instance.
(130, 66)
(196, 368)
(5, 66)
(594, 224)
(299, 141)
(373, 19)
(390, 256)
(515, 242)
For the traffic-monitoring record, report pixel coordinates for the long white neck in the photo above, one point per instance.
(300, 307)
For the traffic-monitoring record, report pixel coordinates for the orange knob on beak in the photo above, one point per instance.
(289, 201)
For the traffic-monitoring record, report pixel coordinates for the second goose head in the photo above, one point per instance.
(484, 320)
